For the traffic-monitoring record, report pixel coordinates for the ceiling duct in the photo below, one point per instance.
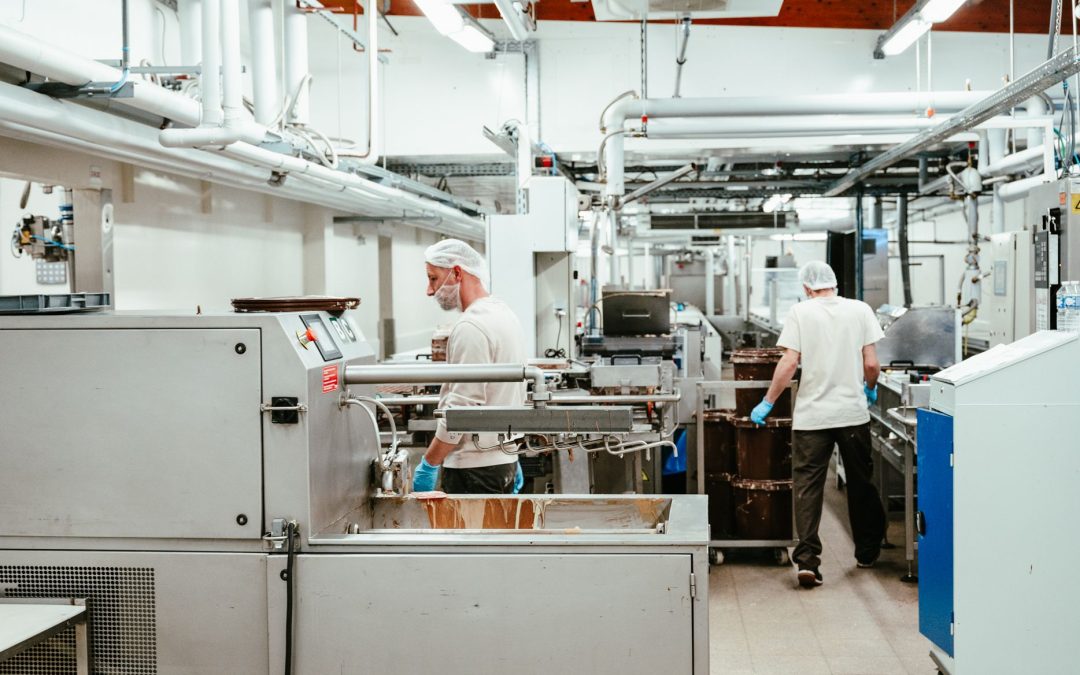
(625, 10)
(728, 220)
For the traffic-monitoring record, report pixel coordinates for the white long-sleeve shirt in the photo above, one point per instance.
(487, 332)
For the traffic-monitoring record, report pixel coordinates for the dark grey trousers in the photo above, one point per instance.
(498, 479)
(811, 451)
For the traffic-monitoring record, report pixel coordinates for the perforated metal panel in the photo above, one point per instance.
(122, 618)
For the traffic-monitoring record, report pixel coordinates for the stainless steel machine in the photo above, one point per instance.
(918, 342)
(215, 488)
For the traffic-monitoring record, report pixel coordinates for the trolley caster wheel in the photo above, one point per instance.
(716, 556)
(781, 556)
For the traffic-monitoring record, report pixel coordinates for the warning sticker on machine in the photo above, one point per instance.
(329, 379)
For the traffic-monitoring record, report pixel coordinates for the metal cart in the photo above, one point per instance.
(705, 390)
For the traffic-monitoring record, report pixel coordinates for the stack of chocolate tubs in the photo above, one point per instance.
(747, 466)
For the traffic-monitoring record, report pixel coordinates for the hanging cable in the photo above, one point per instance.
(290, 583)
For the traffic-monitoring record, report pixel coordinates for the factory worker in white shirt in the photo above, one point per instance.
(488, 331)
(833, 338)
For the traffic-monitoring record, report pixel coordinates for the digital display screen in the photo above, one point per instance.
(323, 340)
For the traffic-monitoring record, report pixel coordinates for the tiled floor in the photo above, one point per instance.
(860, 622)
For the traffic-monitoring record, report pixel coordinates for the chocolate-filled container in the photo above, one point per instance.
(762, 509)
(763, 452)
(719, 441)
(758, 364)
(721, 505)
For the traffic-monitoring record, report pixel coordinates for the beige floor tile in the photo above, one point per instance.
(860, 665)
(923, 666)
(798, 664)
(861, 621)
(857, 647)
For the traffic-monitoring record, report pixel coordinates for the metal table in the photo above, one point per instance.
(25, 624)
(704, 389)
(900, 422)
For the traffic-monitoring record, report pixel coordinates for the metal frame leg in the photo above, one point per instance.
(909, 513)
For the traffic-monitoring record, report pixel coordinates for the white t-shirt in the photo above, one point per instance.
(487, 332)
(829, 333)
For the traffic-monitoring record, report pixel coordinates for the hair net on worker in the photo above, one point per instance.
(817, 276)
(456, 253)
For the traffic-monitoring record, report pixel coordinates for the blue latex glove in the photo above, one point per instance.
(519, 479)
(871, 395)
(760, 412)
(425, 477)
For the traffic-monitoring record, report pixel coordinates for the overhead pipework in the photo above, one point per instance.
(683, 39)
(240, 162)
(1013, 94)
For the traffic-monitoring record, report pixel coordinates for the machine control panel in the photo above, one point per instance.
(318, 333)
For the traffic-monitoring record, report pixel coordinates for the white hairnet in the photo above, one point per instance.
(817, 276)
(456, 253)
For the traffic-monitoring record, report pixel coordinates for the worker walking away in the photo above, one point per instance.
(834, 338)
(487, 332)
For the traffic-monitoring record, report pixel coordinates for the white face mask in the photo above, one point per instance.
(448, 296)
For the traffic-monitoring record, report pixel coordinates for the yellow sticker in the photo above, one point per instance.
(1075, 203)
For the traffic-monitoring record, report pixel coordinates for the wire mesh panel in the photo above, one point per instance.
(122, 618)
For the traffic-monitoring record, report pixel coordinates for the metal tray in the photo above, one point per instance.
(57, 303)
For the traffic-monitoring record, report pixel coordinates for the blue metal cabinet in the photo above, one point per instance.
(935, 448)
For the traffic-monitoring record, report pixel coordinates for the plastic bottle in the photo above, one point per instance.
(1072, 307)
(1062, 320)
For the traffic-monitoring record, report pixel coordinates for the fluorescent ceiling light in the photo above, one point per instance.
(905, 36)
(471, 38)
(445, 17)
(937, 11)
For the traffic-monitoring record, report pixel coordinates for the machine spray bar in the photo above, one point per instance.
(432, 374)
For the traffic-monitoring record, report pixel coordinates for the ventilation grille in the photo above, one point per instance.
(122, 624)
(729, 220)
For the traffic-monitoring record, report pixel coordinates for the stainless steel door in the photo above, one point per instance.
(488, 613)
(171, 415)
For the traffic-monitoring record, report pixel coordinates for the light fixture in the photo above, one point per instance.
(515, 17)
(456, 25)
(914, 24)
(905, 36)
(473, 39)
(936, 11)
(445, 17)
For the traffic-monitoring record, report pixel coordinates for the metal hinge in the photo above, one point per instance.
(693, 586)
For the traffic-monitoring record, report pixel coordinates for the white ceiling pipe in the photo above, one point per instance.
(29, 53)
(210, 73)
(616, 114)
(227, 118)
(810, 125)
(264, 83)
(370, 154)
(1035, 107)
(1025, 159)
(190, 15)
(513, 19)
(817, 104)
(996, 145)
(1017, 189)
(295, 63)
(138, 143)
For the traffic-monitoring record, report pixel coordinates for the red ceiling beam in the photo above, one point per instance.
(980, 16)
